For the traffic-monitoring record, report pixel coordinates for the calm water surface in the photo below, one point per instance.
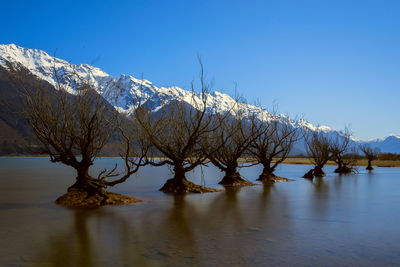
(349, 220)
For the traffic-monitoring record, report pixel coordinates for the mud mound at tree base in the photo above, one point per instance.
(185, 186)
(239, 183)
(272, 178)
(80, 199)
(235, 180)
(282, 179)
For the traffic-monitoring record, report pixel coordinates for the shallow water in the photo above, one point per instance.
(349, 220)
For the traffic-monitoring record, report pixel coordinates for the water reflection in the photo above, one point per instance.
(177, 224)
(225, 206)
(338, 220)
(70, 247)
(90, 236)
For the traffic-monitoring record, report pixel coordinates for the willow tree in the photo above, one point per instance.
(319, 148)
(340, 147)
(273, 145)
(348, 161)
(233, 139)
(370, 153)
(179, 130)
(73, 123)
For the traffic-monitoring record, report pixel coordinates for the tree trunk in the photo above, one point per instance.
(83, 184)
(177, 184)
(318, 171)
(339, 169)
(233, 178)
(180, 185)
(369, 167)
(309, 174)
(343, 168)
(266, 174)
(82, 180)
(179, 174)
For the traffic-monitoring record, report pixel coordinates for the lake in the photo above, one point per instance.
(351, 220)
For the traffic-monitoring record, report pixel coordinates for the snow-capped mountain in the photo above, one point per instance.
(49, 68)
(389, 144)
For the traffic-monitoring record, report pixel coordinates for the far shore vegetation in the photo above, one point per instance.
(383, 160)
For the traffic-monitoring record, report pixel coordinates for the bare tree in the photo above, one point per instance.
(233, 139)
(349, 160)
(370, 153)
(340, 147)
(179, 131)
(74, 128)
(273, 146)
(319, 149)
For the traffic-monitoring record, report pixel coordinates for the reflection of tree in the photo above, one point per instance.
(320, 186)
(271, 215)
(73, 247)
(320, 203)
(265, 199)
(238, 227)
(179, 223)
(226, 227)
(338, 181)
(83, 238)
(266, 194)
(226, 206)
(169, 236)
(85, 243)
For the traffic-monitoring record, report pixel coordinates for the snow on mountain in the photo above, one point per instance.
(304, 123)
(389, 144)
(48, 68)
(389, 137)
(42, 65)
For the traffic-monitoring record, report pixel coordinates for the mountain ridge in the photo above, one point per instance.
(46, 67)
(49, 69)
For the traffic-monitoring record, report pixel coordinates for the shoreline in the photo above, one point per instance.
(362, 162)
(289, 160)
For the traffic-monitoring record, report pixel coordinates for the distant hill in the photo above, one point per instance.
(389, 144)
(15, 134)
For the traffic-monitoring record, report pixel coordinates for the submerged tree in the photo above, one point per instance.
(370, 153)
(349, 160)
(73, 123)
(340, 147)
(273, 145)
(233, 139)
(319, 149)
(179, 132)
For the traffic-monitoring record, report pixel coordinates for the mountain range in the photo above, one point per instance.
(46, 68)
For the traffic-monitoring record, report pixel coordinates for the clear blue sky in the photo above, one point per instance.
(335, 62)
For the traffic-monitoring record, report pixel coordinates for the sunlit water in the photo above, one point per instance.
(349, 220)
